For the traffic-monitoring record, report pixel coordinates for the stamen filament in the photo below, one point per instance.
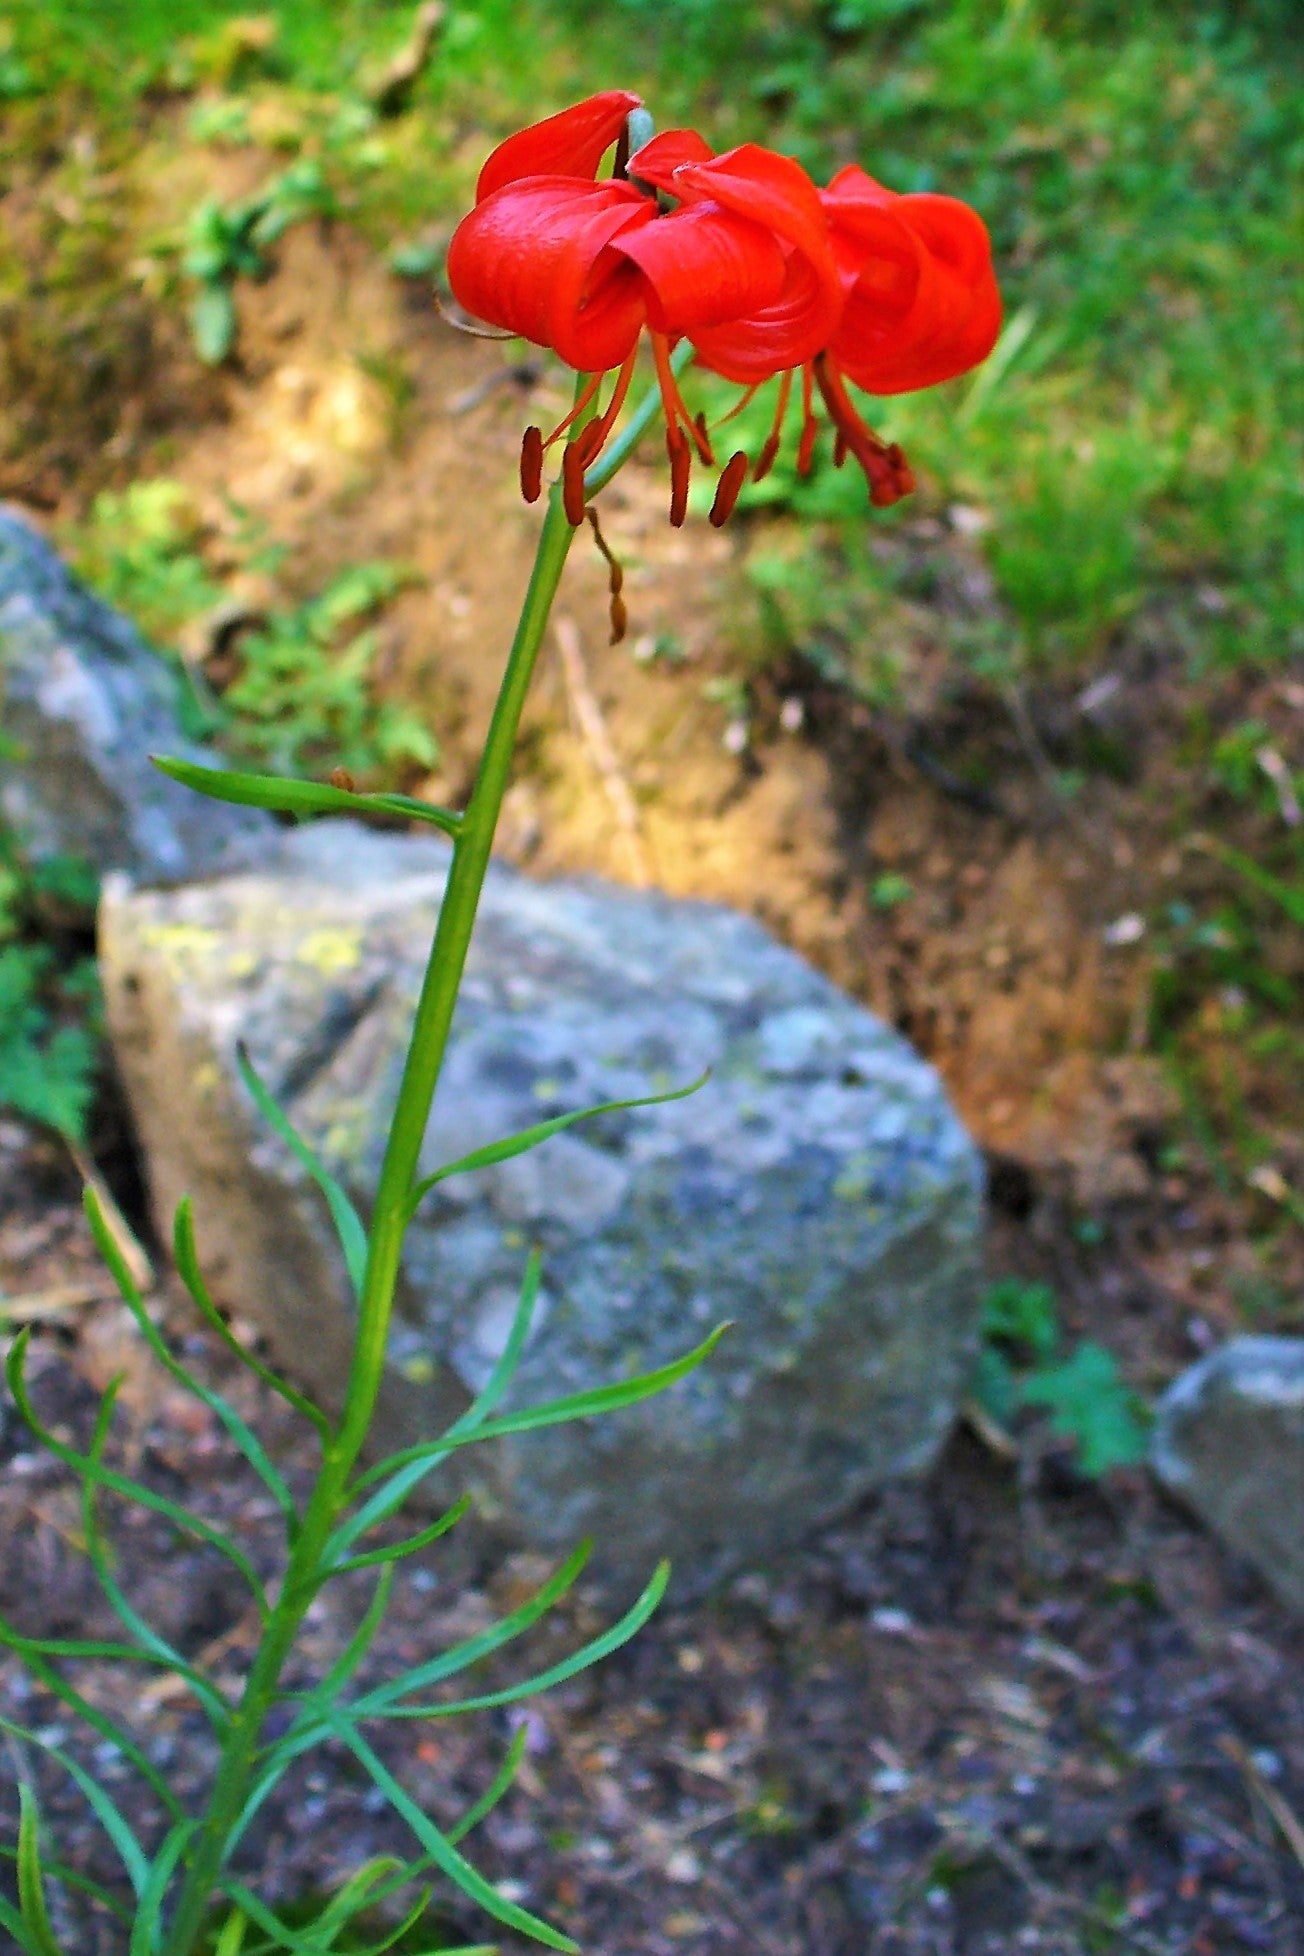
(768, 453)
(809, 425)
(887, 471)
(590, 388)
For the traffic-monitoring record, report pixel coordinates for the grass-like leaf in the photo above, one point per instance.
(186, 1259)
(440, 1849)
(410, 1543)
(500, 1784)
(130, 1852)
(248, 1443)
(407, 1476)
(380, 1703)
(152, 1644)
(70, 1878)
(1288, 896)
(301, 797)
(556, 1412)
(11, 1920)
(320, 1938)
(31, 1880)
(485, 1643)
(31, 1650)
(530, 1137)
(348, 1223)
(316, 1708)
(149, 1913)
(130, 1490)
(307, 1729)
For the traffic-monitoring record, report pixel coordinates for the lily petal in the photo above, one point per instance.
(658, 159)
(535, 258)
(922, 304)
(570, 144)
(704, 267)
(773, 191)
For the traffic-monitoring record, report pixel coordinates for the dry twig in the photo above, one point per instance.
(593, 730)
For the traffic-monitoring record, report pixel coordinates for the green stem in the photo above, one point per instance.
(472, 843)
(305, 1574)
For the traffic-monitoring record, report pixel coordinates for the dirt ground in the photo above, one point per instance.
(1002, 1710)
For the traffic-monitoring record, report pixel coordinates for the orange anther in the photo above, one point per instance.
(532, 464)
(728, 489)
(572, 483)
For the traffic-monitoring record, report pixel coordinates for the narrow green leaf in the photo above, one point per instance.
(359, 1891)
(442, 1852)
(145, 1933)
(410, 1543)
(301, 797)
(556, 1412)
(152, 1644)
(99, 1721)
(591, 1653)
(317, 1707)
(10, 1919)
(187, 1261)
(231, 1940)
(69, 1878)
(530, 1137)
(500, 1784)
(348, 1224)
(120, 1484)
(319, 1938)
(408, 1474)
(248, 1443)
(31, 1882)
(359, 1643)
(484, 1644)
(113, 1823)
(307, 1728)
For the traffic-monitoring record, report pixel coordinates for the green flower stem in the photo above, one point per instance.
(305, 1573)
(472, 843)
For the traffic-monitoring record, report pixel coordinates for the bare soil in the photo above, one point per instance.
(1004, 1709)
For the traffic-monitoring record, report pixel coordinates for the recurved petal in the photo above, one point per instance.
(536, 258)
(773, 191)
(569, 144)
(892, 341)
(922, 301)
(704, 266)
(658, 159)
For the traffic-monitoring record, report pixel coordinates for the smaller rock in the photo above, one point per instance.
(1229, 1442)
(86, 702)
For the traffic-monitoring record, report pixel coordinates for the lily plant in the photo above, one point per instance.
(740, 264)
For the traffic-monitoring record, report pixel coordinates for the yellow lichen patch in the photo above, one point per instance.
(207, 1079)
(331, 950)
(182, 941)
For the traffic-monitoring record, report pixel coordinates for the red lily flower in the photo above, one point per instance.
(921, 299)
(741, 265)
(739, 254)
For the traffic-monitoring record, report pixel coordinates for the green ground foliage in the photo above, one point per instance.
(1130, 445)
(1123, 472)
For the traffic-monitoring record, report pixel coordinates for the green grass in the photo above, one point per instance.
(1130, 446)
(298, 695)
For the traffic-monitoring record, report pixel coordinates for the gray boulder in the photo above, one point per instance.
(818, 1191)
(85, 702)
(1229, 1443)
